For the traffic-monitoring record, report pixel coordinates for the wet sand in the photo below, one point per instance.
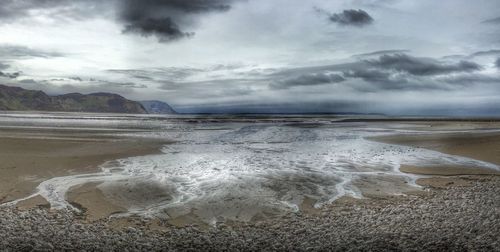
(26, 161)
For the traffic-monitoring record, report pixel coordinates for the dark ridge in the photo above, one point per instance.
(16, 98)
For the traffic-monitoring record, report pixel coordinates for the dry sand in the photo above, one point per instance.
(480, 146)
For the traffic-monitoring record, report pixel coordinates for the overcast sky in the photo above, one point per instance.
(365, 56)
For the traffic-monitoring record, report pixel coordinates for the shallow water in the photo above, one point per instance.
(237, 168)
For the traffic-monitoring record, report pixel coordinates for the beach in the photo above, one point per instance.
(448, 207)
(31, 156)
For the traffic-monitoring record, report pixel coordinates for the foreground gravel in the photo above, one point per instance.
(456, 218)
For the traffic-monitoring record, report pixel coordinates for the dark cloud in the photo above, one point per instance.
(22, 52)
(10, 75)
(348, 17)
(4, 66)
(308, 80)
(492, 21)
(421, 66)
(369, 75)
(76, 78)
(164, 29)
(497, 63)
(166, 19)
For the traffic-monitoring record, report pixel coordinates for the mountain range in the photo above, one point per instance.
(20, 99)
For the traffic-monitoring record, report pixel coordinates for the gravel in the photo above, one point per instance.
(452, 219)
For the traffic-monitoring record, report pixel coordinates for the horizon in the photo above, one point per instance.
(277, 111)
(352, 56)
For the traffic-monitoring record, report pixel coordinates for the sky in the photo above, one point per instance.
(397, 57)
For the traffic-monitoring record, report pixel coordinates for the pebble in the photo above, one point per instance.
(453, 219)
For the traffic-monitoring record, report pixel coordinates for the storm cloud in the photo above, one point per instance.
(349, 17)
(166, 19)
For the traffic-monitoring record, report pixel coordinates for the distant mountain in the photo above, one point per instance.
(157, 107)
(16, 98)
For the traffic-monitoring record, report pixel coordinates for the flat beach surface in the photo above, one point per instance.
(480, 146)
(459, 210)
(29, 157)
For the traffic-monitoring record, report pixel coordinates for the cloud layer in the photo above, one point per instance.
(260, 55)
(349, 17)
(421, 66)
